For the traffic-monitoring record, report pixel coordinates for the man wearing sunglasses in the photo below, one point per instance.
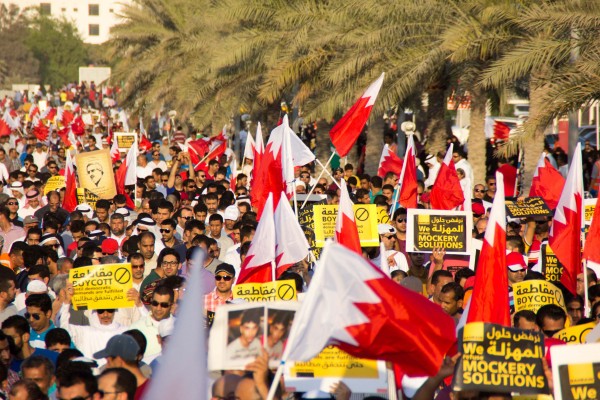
(399, 222)
(39, 316)
(167, 230)
(224, 278)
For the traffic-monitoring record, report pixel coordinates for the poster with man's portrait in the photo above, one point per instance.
(279, 322)
(95, 172)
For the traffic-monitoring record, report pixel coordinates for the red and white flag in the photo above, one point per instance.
(40, 130)
(33, 111)
(115, 154)
(389, 161)
(291, 244)
(249, 147)
(547, 182)
(565, 233)
(347, 130)
(369, 316)
(126, 174)
(346, 232)
(447, 193)
(408, 177)
(49, 114)
(591, 250)
(489, 302)
(70, 199)
(9, 123)
(257, 266)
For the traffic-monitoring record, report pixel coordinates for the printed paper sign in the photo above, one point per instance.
(500, 359)
(551, 267)
(533, 294)
(101, 286)
(589, 205)
(576, 371)
(365, 216)
(124, 140)
(87, 197)
(269, 291)
(430, 229)
(528, 207)
(575, 334)
(95, 172)
(54, 183)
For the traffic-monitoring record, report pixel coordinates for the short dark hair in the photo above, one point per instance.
(139, 337)
(32, 389)
(435, 277)
(41, 270)
(71, 376)
(36, 362)
(465, 273)
(251, 315)
(526, 314)
(170, 222)
(194, 224)
(551, 311)
(57, 335)
(166, 252)
(40, 300)
(103, 204)
(6, 276)
(454, 287)
(215, 217)
(162, 290)
(126, 382)
(18, 323)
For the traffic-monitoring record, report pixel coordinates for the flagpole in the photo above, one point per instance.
(323, 170)
(326, 171)
(295, 198)
(391, 381)
(273, 271)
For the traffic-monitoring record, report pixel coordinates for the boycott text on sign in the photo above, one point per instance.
(101, 286)
(528, 207)
(531, 295)
(268, 291)
(430, 229)
(365, 216)
(575, 334)
(500, 359)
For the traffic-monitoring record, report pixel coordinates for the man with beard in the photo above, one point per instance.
(117, 227)
(8, 292)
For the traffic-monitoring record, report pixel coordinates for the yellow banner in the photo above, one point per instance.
(101, 286)
(334, 363)
(87, 197)
(575, 334)
(531, 295)
(382, 216)
(589, 205)
(125, 140)
(269, 291)
(54, 183)
(365, 215)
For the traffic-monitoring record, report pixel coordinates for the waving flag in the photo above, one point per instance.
(346, 232)
(115, 154)
(257, 265)
(368, 315)
(489, 302)
(547, 182)
(447, 193)
(291, 244)
(565, 233)
(70, 199)
(408, 177)
(9, 123)
(126, 175)
(389, 161)
(347, 130)
(591, 250)
(40, 130)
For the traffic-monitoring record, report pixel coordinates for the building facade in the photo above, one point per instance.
(93, 18)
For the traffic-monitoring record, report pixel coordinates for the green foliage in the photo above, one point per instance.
(58, 48)
(20, 65)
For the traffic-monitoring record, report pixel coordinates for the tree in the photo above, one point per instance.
(58, 48)
(20, 66)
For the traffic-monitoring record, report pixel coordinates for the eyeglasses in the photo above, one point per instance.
(165, 180)
(202, 176)
(137, 266)
(162, 304)
(36, 317)
(12, 203)
(225, 278)
(172, 263)
(389, 237)
(479, 191)
(102, 393)
(401, 220)
(492, 184)
(163, 230)
(191, 187)
(102, 311)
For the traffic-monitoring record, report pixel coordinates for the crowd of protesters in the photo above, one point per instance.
(51, 350)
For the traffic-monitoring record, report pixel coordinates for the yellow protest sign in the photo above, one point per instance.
(54, 183)
(86, 196)
(589, 205)
(333, 362)
(575, 334)
(533, 294)
(382, 216)
(101, 286)
(269, 291)
(551, 267)
(365, 216)
(430, 229)
(125, 140)
(95, 172)
(528, 207)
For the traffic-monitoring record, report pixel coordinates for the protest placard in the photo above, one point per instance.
(551, 267)
(268, 291)
(500, 359)
(95, 172)
(101, 286)
(576, 371)
(575, 334)
(534, 397)
(589, 205)
(382, 215)
(86, 196)
(365, 216)
(429, 229)
(332, 365)
(124, 140)
(239, 331)
(54, 183)
(307, 223)
(476, 245)
(533, 294)
(527, 207)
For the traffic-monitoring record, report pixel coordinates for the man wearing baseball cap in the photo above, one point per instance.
(121, 352)
(224, 278)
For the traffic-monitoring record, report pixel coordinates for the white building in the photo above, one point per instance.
(93, 18)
